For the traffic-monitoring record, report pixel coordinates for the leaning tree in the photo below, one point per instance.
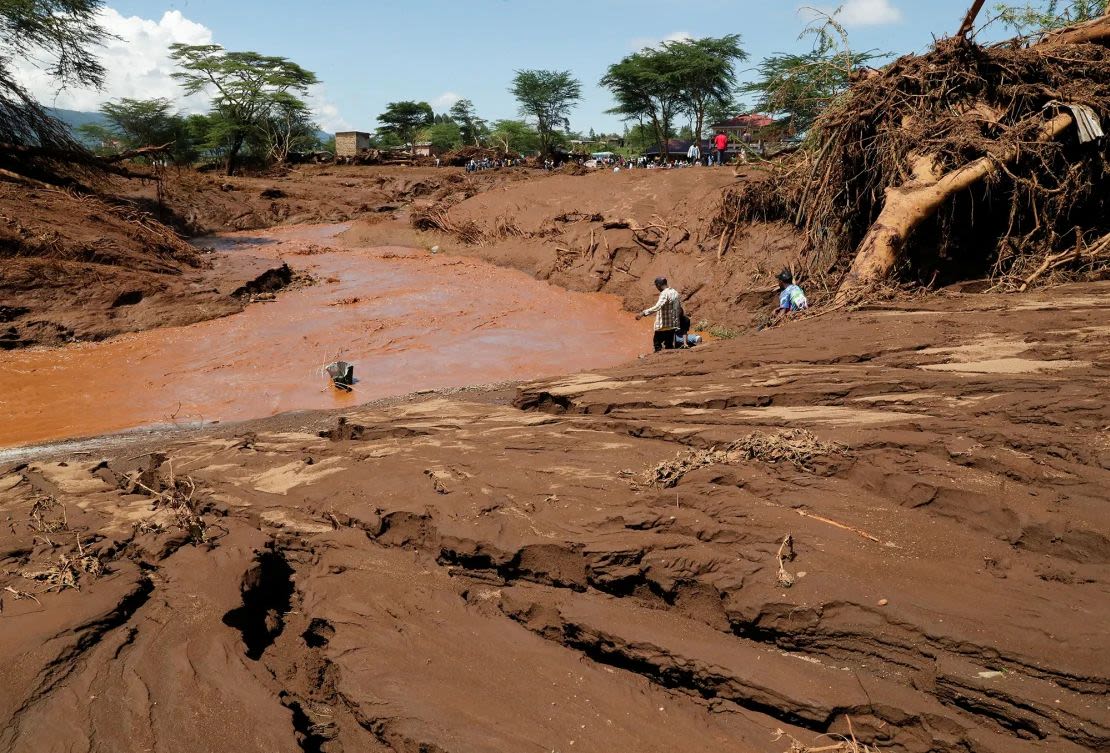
(59, 36)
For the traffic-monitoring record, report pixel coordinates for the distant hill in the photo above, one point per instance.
(77, 118)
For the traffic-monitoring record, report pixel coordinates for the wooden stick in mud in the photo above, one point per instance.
(844, 526)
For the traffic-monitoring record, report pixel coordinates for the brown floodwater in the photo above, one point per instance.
(420, 321)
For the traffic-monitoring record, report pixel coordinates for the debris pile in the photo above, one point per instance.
(964, 162)
(797, 446)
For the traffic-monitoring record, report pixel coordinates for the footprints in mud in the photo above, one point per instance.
(267, 590)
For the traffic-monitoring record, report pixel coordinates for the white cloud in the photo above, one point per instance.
(138, 63)
(864, 13)
(327, 114)
(445, 100)
(640, 43)
(138, 66)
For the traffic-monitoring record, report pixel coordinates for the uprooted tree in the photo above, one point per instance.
(968, 160)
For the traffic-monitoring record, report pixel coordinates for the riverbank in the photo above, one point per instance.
(607, 548)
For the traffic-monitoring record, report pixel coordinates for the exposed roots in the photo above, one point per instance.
(438, 219)
(972, 157)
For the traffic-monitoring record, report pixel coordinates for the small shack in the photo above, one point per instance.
(351, 143)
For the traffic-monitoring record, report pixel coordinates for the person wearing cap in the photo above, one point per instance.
(667, 310)
(791, 297)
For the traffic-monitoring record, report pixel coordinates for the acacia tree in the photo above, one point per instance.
(287, 127)
(798, 87)
(547, 97)
(705, 74)
(1033, 19)
(58, 36)
(514, 136)
(136, 123)
(404, 119)
(247, 86)
(646, 85)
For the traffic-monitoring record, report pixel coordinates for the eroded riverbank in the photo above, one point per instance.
(410, 320)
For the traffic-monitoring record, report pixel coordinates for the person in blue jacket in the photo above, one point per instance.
(791, 296)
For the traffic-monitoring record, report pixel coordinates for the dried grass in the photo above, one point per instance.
(68, 571)
(48, 515)
(842, 744)
(178, 497)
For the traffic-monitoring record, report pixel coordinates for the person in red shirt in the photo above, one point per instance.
(720, 143)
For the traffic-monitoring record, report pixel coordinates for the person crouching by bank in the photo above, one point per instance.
(667, 311)
(791, 296)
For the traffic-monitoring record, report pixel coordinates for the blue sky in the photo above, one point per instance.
(368, 53)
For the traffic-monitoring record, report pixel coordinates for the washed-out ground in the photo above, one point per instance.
(890, 523)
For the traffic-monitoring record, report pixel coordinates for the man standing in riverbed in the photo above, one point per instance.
(667, 311)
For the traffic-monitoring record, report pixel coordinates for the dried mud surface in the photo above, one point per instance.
(498, 572)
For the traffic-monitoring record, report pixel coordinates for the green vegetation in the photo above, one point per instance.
(402, 120)
(657, 84)
(546, 96)
(1032, 19)
(252, 93)
(798, 87)
(717, 331)
(63, 34)
(514, 137)
(472, 129)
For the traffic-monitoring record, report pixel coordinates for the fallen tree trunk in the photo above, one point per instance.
(907, 206)
(1095, 31)
(144, 151)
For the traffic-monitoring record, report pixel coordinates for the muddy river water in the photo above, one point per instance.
(407, 319)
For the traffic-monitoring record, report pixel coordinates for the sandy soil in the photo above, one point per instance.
(498, 572)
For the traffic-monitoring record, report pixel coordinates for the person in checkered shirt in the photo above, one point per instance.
(667, 311)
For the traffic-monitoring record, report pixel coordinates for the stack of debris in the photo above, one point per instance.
(964, 162)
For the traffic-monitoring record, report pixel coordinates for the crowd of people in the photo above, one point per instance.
(486, 163)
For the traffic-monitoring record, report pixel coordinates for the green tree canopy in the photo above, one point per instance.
(443, 136)
(798, 87)
(472, 127)
(646, 86)
(287, 127)
(1034, 18)
(547, 97)
(404, 119)
(246, 86)
(135, 123)
(60, 37)
(141, 122)
(514, 137)
(705, 73)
